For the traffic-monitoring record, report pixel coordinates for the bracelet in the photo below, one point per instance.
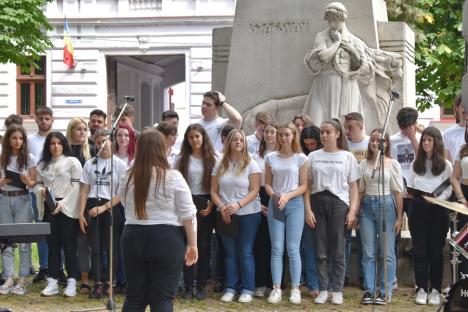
(240, 206)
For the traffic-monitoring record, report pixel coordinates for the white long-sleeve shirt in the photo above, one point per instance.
(62, 175)
(171, 203)
(428, 182)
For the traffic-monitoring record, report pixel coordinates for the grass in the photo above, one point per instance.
(403, 301)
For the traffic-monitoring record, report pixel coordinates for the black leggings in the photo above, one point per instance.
(204, 234)
(153, 256)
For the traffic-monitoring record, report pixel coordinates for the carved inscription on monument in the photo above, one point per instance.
(280, 27)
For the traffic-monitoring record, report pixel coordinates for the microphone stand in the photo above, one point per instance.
(380, 162)
(110, 305)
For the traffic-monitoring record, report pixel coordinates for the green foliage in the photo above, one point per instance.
(440, 47)
(23, 29)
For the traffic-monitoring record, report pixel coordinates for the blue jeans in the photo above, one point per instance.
(310, 258)
(372, 234)
(42, 249)
(239, 261)
(16, 209)
(292, 229)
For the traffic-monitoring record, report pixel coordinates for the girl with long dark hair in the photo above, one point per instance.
(196, 162)
(17, 174)
(59, 173)
(428, 223)
(333, 174)
(157, 204)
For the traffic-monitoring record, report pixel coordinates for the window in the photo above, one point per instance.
(30, 88)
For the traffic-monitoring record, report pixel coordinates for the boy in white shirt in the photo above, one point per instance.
(213, 101)
(454, 137)
(253, 141)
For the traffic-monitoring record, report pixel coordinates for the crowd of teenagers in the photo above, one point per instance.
(286, 196)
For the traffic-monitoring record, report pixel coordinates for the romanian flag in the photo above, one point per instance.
(68, 48)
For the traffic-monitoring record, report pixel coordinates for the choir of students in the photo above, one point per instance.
(284, 186)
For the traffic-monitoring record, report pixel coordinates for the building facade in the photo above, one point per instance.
(158, 51)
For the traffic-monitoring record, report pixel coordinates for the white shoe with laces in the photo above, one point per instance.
(7, 287)
(20, 288)
(275, 296)
(70, 290)
(421, 297)
(295, 297)
(51, 288)
(245, 298)
(227, 297)
(337, 297)
(322, 297)
(434, 297)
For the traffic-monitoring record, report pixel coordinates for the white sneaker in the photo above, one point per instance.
(260, 292)
(70, 290)
(7, 286)
(322, 297)
(421, 297)
(20, 288)
(434, 297)
(337, 297)
(295, 297)
(275, 296)
(51, 288)
(245, 298)
(227, 297)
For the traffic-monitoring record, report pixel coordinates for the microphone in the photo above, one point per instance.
(128, 98)
(395, 95)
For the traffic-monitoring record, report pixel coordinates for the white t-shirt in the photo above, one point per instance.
(97, 176)
(213, 129)
(332, 172)
(285, 171)
(261, 164)
(428, 182)
(13, 166)
(36, 145)
(253, 144)
(195, 175)
(171, 203)
(402, 150)
(233, 187)
(454, 138)
(359, 150)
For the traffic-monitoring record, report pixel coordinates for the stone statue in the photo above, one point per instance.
(344, 71)
(347, 76)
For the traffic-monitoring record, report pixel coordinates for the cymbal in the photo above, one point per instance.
(454, 206)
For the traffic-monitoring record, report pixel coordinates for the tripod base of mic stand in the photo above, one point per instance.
(110, 306)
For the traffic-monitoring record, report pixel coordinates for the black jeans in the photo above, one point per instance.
(204, 234)
(428, 226)
(462, 220)
(153, 256)
(262, 248)
(330, 214)
(63, 235)
(99, 238)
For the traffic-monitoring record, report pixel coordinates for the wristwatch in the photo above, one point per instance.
(461, 199)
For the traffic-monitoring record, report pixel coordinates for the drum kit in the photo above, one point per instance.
(457, 298)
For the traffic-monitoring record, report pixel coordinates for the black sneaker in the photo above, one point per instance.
(41, 276)
(62, 280)
(367, 298)
(200, 293)
(380, 300)
(97, 292)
